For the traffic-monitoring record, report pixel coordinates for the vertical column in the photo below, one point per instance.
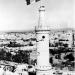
(43, 66)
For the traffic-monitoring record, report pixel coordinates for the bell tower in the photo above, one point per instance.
(42, 34)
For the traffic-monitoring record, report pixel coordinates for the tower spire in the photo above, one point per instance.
(41, 23)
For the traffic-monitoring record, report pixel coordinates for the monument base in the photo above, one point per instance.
(44, 70)
(48, 72)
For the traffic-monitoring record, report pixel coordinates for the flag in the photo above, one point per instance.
(28, 2)
(37, 0)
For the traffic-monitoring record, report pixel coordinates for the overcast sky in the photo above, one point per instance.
(16, 15)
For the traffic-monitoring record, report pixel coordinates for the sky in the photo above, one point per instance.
(15, 15)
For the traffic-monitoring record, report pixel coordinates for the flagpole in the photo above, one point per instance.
(42, 3)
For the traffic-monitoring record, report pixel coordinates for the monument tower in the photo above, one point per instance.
(42, 34)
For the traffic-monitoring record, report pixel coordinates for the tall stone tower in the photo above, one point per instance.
(42, 33)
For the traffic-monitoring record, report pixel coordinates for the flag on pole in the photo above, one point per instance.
(28, 2)
(37, 0)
